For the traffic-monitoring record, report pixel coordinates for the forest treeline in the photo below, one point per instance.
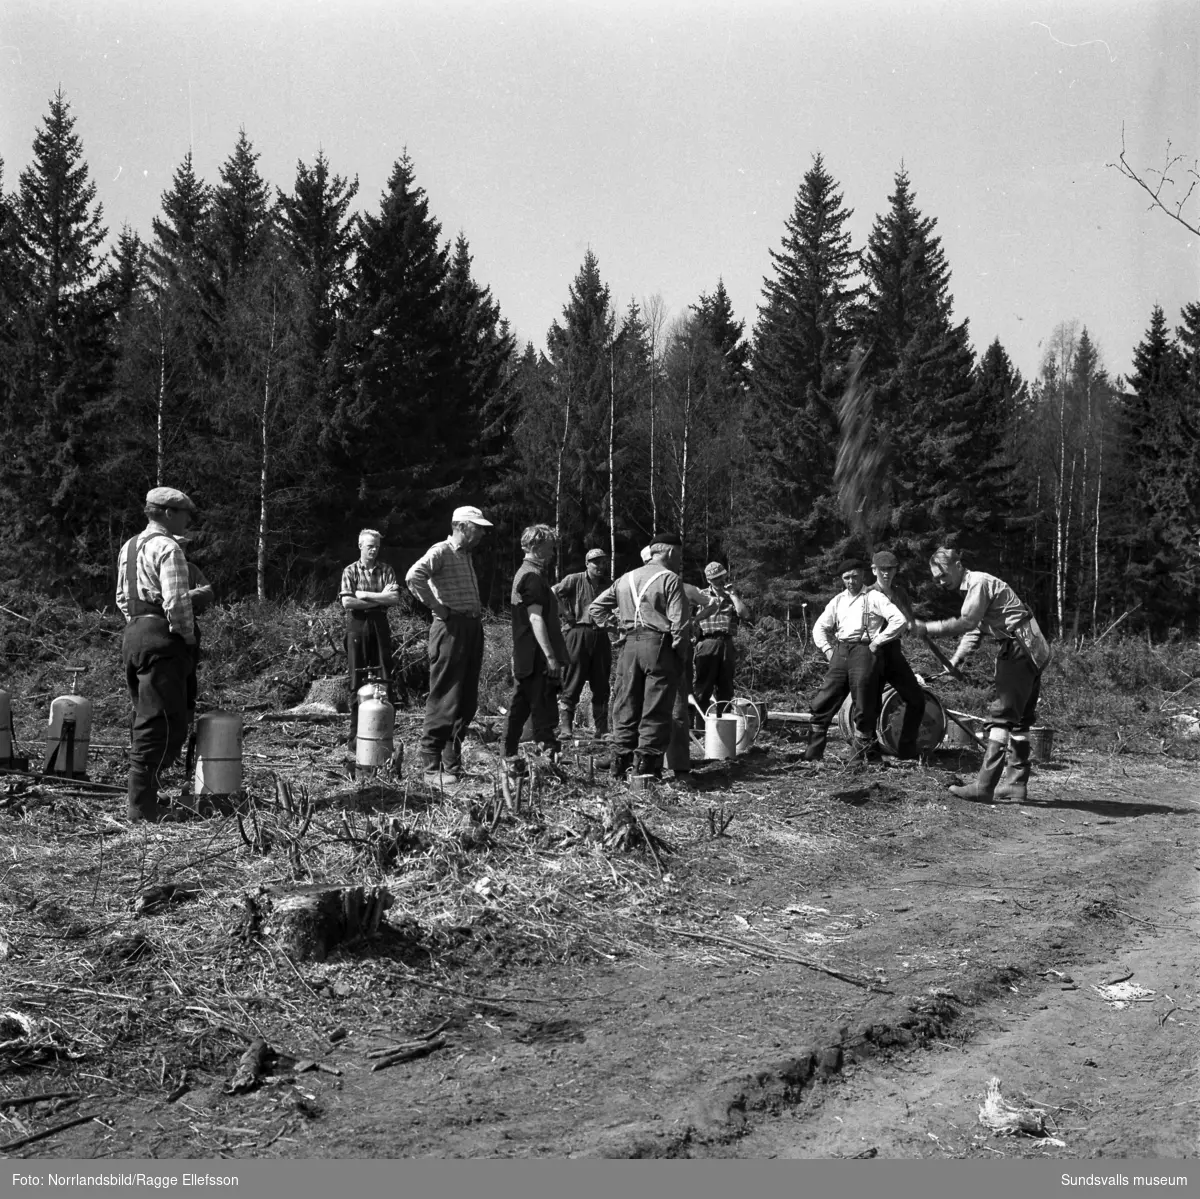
(303, 368)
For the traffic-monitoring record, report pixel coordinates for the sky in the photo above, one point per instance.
(670, 138)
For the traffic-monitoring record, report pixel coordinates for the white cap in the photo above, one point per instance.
(645, 552)
(470, 515)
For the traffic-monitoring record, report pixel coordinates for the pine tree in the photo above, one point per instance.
(921, 365)
(802, 344)
(241, 215)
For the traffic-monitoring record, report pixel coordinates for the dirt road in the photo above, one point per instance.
(839, 974)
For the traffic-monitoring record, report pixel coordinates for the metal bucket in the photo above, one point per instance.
(1041, 743)
(720, 737)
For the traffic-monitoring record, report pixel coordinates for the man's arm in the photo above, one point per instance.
(825, 630)
(541, 633)
(200, 590)
(678, 608)
(387, 597)
(603, 609)
(883, 607)
(172, 570)
(974, 609)
(419, 578)
(741, 607)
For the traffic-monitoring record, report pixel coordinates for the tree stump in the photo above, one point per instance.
(325, 697)
(311, 921)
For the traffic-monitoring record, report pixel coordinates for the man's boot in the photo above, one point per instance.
(650, 765)
(566, 721)
(600, 717)
(814, 751)
(621, 762)
(1015, 783)
(984, 786)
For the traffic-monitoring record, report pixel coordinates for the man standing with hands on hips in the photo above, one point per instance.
(369, 588)
(444, 581)
(990, 605)
(589, 651)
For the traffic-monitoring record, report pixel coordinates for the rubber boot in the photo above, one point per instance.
(814, 751)
(984, 786)
(622, 760)
(1014, 784)
(600, 717)
(566, 721)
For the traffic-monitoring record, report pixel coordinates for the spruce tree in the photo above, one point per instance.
(802, 343)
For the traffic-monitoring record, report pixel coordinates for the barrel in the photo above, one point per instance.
(6, 738)
(891, 715)
(219, 753)
(720, 736)
(66, 709)
(376, 728)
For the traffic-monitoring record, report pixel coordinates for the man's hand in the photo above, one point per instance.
(921, 629)
(553, 668)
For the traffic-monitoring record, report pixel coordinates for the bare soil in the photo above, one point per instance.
(692, 1014)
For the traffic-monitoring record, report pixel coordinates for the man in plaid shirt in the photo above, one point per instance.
(159, 640)
(716, 653)
(444, 581)
(369, 588)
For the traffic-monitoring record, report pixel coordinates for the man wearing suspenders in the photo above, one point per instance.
(157, 649)
(649, 605)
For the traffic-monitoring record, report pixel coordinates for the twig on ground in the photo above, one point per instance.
(49, 1132)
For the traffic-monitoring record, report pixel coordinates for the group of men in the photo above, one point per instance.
(654, 616)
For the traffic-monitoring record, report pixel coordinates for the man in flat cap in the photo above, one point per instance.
(444, 581)
(989, 605)
(157, 648)
(715, 654)
(589, 651)
(893, 665)
(854, 627)
(369, 588)
(650, 606)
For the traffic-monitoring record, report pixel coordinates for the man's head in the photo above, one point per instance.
(853, 574)
(597, 564)
(717, 576)
(668, 549)
(369, 541)
(170, 508)
(539, 543)
(644, 553)
(469, 524)
(886, 566)
(947, 568)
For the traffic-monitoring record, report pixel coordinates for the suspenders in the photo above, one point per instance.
(639, 594)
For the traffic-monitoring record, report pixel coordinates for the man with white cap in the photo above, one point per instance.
(589, 651)
(715, 654)
(157, 648)
(444, 581)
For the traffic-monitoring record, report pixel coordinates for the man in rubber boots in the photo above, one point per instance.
(369, 588)
(852, 630)
(539, 650)
(650, 607)
(893, 665)
(715, 655)
(589, 651)
(444, 581)
(157, 648)
(990, 606)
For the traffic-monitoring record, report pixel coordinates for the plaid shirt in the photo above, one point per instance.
(357, 577)
(162, 578)
(444, 581)
(723, 619)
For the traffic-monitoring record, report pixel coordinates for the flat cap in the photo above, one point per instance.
(886, 559)
(714, 570)
(470, 515)
(169, 497)
(665, 539)
(596, 555)
(850, 564)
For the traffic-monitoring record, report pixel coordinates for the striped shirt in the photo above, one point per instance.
(162, 578)
(357, 577)
(444, 581)
(663, 605)
(577, 592)
(868, 617)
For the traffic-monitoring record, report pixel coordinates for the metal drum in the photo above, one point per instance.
(67, 711)
(219, 753)
(891, 715)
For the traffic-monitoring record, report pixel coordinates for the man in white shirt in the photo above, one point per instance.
(855, 625)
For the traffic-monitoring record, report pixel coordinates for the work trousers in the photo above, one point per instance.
(1015, 689)
(535, 696)
(648, 676)
(715, 660)
(455, 660)
(589, 660)
(368, 646)
(157, 665)
(895, 671)
(854, 671)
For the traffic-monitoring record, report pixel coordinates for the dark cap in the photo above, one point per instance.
(886, 559)
(850, 564)
(665, 539)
